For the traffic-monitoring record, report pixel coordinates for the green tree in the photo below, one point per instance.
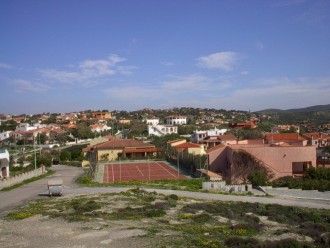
(65, 155)
(258, 178)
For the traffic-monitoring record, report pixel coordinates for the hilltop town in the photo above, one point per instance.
(269, 141)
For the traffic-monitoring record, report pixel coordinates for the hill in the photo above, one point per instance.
(315, 108)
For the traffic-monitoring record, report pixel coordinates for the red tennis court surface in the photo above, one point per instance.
(139, 171)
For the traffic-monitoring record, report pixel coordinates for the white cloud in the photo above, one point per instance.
(244, 72)
(167, 63)
(89, 70)
(5, 66)
(222, 60)
(132, 92)
(259, 46)
(195, 82)
(24, 85)
(182, 90)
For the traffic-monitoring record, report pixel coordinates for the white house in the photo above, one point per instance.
(97, 128)
(4, 163)
(161, 130)
(5, 135)
(25, 127)
(152, 121)
(201, 134)
(176, 120)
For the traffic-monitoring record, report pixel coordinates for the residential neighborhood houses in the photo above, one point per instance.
(231, 144)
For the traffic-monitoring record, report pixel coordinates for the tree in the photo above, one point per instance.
(84, 132)
(65, 155)
(258, 179)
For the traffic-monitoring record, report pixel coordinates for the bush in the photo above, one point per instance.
(236, 241)
(258, 179)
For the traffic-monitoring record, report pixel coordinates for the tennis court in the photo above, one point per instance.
(139, 171)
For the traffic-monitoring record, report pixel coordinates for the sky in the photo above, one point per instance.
(62, 56)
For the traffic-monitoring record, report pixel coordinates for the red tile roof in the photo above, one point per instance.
(122, 143)
(138, 150)
(188, 145)
(285, 136)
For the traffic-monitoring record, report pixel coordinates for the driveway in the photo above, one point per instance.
(27, 192)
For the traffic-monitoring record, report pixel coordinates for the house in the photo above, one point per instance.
(98, 128)
(202, 134)
(4, 163)
(212, 141)
(5, 135)
(317, 139)
(124, 121)
(235, 162)
(152, 121)
(285, 128)
(243, 125)
(115, 149)
(190, 148)
(101, 115)
(161, 130)
(25, 127)
(176, 120)
(286, 138)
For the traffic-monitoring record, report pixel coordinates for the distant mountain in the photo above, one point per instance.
(315, 108)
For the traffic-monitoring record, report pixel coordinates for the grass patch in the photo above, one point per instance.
(49, 172)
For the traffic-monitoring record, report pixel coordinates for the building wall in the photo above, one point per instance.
(152, 121)
(196, 150)
(218, 160)
(113, 154)
(280, 159)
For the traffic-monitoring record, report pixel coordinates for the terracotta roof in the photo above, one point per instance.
(220, 137)
(173, 141)
(215, 148)
(97, 126)
(122, 143)
(316, 136)
(188, 145)
(151, 149)
(285, 136)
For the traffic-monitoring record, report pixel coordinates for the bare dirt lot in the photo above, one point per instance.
(137, 218)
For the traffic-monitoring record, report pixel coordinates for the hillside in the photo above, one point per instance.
(315, 108)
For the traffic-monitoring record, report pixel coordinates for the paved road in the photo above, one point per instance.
(19, 196)
(27, 192)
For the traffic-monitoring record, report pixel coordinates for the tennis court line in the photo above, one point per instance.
(139, 170)
(166, 169)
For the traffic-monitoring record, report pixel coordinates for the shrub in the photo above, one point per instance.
(236, 241)
(201, 218)
(258, 179)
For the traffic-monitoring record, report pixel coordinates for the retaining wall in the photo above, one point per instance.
(221, 186)
(7, 182)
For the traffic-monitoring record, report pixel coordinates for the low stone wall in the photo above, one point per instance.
(221, 186)
(7, 182)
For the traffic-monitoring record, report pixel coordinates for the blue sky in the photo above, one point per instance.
(71, 55)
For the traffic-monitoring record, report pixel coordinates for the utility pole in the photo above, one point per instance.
(35, 155)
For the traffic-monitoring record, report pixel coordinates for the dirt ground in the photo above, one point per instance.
(39, 231)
